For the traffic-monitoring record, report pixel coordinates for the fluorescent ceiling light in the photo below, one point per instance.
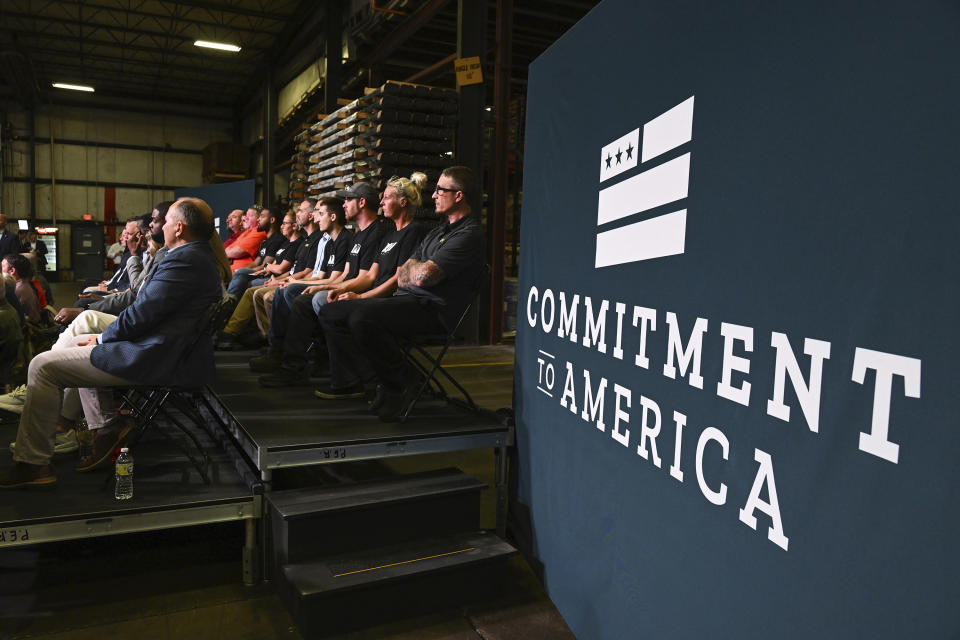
(217, 45)
(74, 87)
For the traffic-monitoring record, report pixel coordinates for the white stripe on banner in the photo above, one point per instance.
(668, 130)
(653, 238)
(619, 155)
(660, 185)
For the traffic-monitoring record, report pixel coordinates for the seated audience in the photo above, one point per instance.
(154, 341)
(243, 250)
(245, 277)
(120, 280)
(302, 267)
(330, 228)
(433, 288)
(401, 199)
(330, 267)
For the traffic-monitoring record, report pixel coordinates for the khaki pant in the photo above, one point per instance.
(49, 374)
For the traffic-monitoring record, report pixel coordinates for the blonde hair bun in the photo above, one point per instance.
(419, 178)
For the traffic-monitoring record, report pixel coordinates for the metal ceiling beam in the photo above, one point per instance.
(155, 85)
(441, 65)
(168, 16)
(221, 7)
(122, 46)
(133, 62)
(404, 32)
(86, 24)
(294, 27)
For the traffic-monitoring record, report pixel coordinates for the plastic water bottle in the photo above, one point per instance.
(124, 475)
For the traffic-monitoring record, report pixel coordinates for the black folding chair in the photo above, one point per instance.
(146, 403)
(414, 350)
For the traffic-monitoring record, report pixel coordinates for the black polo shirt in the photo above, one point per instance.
(288, 250)
(366, 245)
(396, 249)
(270, 246)
(458, 249)
(307, 254)
(336, 251)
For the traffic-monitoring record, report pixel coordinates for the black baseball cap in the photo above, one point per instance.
(360, 190)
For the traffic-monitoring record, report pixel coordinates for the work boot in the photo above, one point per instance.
(105, 442)
(23, 474)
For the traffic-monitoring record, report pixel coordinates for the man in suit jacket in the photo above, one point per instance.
(153, 342)
(9, 242)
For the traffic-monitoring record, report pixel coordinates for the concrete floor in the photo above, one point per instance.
(186, 583)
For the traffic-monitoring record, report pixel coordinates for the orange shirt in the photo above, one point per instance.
(249, 241)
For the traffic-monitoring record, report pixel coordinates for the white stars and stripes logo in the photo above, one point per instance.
(665, 183)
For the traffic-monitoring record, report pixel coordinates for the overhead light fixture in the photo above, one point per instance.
(216, 45)
(72, 87)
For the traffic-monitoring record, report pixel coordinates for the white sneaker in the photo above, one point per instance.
(14, 400)
(65, 442)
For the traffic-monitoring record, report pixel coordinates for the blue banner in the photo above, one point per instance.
(737, 387)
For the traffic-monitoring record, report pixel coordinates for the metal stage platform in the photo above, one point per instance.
(262, 430)
(168, 493)
(290, 427)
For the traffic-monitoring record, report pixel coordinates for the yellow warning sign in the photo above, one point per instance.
(469, 71)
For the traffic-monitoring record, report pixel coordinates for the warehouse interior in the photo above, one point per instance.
(166, 114)
(160, 100)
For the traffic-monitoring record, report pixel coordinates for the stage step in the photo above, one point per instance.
(310, 523)
(340, 592)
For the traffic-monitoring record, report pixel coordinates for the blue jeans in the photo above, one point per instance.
(280, 313)
(319, 299)
(242, 280)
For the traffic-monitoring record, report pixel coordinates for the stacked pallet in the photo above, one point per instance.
(395, 129)
(299, 164)
(337, 149)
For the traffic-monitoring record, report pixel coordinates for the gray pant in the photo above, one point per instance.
(50, 373)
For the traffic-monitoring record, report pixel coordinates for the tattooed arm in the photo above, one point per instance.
(414, 273)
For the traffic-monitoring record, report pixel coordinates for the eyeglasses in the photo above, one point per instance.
(439, 189)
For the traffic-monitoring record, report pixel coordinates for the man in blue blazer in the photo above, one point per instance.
(154, 341)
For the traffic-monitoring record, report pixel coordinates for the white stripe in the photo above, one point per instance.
(619, 146)
(644, 240)
(668, 130)
(660, 185)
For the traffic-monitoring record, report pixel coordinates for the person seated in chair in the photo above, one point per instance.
(433, 288)
(234, 226)
(401, 199)
(244, 250)
(333, 264)
(18, 268)
(154, 341)
(244, 277)
(283, 262)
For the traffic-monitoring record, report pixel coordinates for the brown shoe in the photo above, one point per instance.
(106, 442)
(23, 474)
